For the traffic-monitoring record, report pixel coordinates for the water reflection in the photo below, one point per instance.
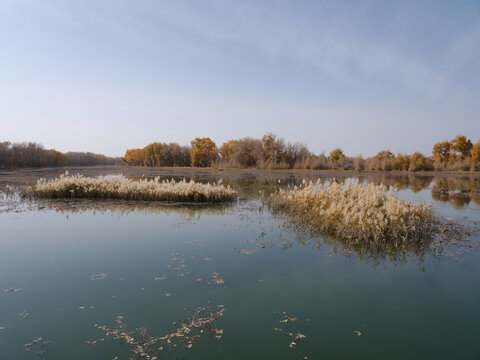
(14, 203)
(124, 208)
(459, 191)
(452, 239)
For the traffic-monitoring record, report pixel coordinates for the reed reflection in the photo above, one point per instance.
(124, 208)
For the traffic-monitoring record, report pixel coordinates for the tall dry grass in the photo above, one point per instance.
(119, 187)
(365, 214)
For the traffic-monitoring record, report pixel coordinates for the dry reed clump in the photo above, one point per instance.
(119, 187)
(364, 214)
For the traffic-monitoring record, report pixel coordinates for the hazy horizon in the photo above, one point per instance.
(106, 77)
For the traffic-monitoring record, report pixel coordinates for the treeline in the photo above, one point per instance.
(158, 154)
(31, 154)
(272, 152)
(269, 152)
(458, 154)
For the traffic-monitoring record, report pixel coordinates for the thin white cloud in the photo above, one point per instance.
(333, 46)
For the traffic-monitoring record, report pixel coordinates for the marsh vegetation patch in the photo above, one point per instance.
(370, 220)
(120, 187)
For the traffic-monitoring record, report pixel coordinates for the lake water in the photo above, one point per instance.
(245, 285)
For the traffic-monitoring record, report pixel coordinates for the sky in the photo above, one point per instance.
(106, 76)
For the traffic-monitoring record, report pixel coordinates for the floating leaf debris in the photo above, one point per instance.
(23, 315)
(293, 334)
(244, 251)
(217, 279)
(148, 347)
(40, 347)
(98, 276)
(11, 290)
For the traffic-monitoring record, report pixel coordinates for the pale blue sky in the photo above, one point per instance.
(105, 76)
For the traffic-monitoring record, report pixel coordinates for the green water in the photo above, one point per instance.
(153, 257)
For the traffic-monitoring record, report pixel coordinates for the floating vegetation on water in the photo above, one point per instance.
(40, 347)
(287, 318)
(201, 323)
(23, 314)
(148, 347)
(216, 279)
(11, 290)
(294, 335)
(98, 276)
(177, 264)
(196, 242)
(370, 220)
(244, 251)
(93, 342)
(120, 187)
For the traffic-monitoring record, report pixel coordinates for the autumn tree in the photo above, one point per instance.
(401, 162)
(419, 162)
(462, 146)
(384, 155)
(56, 158)
(151, 154)
(273, 150)
(226, 150)
(295, 155)
(180, 155)
(158, 154)
(133, 157)
(442, 151)
(336, 155)
(203, 152)
(5, 154)
(248, 153)
(384, 160)
(317, 162)
(359, 163)
(475, 153)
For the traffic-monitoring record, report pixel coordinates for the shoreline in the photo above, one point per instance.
(221, 170)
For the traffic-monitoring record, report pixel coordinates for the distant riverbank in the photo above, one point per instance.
(30, 175)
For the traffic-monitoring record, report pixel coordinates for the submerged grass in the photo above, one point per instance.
(364, 214)
(119, 187)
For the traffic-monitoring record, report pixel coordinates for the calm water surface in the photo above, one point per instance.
(86, 263)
